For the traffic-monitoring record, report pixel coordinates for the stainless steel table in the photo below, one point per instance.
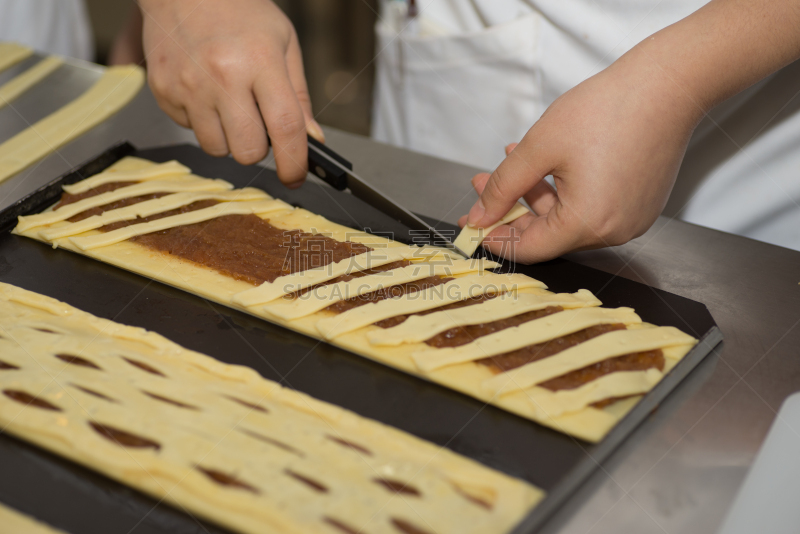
(679, 471)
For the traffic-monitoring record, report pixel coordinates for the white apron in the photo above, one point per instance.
(52, 26)
(466, 77)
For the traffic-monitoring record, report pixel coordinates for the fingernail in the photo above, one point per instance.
(476, 213)
(295, 185)
(314, 130)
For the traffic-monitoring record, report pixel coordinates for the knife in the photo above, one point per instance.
(338, 173)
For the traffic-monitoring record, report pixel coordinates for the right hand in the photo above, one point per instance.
(227, 69)
(613, 143)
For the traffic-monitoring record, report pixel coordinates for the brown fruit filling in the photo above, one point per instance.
(170, 401)
(308, 481)
(76, 360)
(407, 528)
(396, 486)
(144, 367)
(350, 445)
(67, 198)
(272, 441)
(387, 293)
(224, 479)
(247, 404)
(347, 529)
(93, 393)
(244, 247)
(123, 438)
(29, 400)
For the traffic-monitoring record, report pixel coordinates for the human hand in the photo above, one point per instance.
(613, 144)
(228, 69)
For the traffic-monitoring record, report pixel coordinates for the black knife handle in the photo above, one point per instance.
(321, 167)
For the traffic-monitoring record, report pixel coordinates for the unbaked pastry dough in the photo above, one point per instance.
(158, 171)
(12, 53)
(158, 186)
(221, 442)
(291, 283)
(434, 297)
(15, 522)
(470, 237)
(21, 83)
(150, 207)
(192, 217)
(592, 351)
(570, 412)
(530, 333)
(322, 297)
(115, 88)
(417, 329)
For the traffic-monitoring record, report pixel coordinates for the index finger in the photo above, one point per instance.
(283, 116)
(537, 238)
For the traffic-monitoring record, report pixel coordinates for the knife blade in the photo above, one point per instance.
(337, 172)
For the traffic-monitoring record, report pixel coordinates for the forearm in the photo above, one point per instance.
(721, 49)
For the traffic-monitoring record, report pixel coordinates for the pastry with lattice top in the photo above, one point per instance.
(559, 359)
(221, 442)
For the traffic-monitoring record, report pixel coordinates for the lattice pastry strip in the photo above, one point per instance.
(311, 305)
(224, 443)
(17, 522)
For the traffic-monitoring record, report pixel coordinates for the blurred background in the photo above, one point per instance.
(338, 42)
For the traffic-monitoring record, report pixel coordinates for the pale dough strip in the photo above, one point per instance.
(12, 53)
(619, 384)
(610, 345)
(189, 438)
(269, 291)
(322, 297)
(18, 85)
(19, 523)
(418, 328)
(135, 175)
(150, 207)
(109, 94)
(192, 217)
(530, 333)
(434, 297)
(589, 423)
(26, 222)
(471, 237)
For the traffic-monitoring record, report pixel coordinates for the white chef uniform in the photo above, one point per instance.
(53, 26)
(466, 77)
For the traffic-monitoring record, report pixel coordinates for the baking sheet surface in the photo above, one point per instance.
(61, 493)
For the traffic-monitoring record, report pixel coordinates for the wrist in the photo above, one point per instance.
(655, 94)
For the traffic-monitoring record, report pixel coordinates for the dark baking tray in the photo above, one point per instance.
(80, 501)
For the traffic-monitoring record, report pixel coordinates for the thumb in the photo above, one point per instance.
(523, 168)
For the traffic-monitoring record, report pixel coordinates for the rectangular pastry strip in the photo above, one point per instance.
(154, 172)
(453, 291)
(150, 207)
(218, 210)
(418, 328)
(320, 298)
(140, 189)
(538, 330)
(291, 283)
(224, 443)
(530, 333)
